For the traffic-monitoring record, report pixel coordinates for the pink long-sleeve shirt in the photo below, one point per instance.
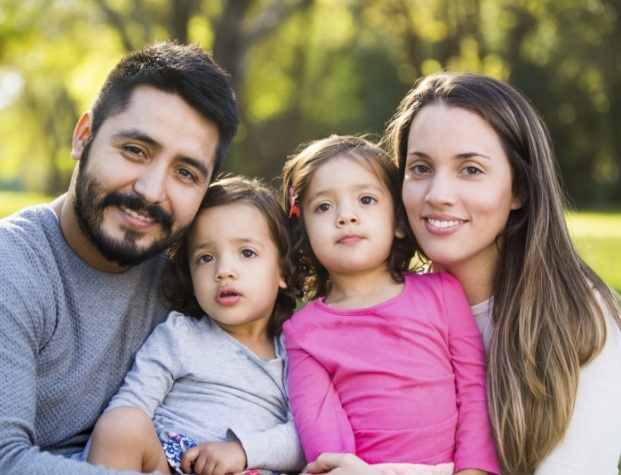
(400, 382)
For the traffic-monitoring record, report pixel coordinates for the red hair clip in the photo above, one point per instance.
(294, 210)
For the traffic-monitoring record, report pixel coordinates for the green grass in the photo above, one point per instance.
(598, 238)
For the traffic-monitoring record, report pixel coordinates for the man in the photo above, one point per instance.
(80, 278)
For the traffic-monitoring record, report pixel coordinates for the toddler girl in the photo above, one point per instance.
(384, 364)
(207, 393)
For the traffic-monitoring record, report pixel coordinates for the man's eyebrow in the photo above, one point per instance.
(200, 166)
(136, 134)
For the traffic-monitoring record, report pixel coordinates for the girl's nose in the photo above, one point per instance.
(346, 216)
(225, 270)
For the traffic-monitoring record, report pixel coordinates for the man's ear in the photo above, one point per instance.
(80, 135)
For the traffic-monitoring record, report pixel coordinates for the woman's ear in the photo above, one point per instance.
(517, 201)
(80, 135)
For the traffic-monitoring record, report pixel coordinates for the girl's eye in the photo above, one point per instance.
(248, 253)
(204, 259)
(322, 207)
(367, 200)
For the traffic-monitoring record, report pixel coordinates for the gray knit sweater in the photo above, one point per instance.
(69, 334)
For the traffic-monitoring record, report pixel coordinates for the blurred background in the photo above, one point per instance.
(303, 69)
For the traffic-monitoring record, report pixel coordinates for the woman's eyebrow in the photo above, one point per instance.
(464, 155)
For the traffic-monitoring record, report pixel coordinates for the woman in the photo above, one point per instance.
(481, 191)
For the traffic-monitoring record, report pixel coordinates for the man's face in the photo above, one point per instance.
(143, 176)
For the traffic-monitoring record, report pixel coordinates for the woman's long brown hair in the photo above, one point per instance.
(547, 320)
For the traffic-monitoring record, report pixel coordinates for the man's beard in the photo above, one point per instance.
(89, 205)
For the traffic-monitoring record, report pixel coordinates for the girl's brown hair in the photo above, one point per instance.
(178, 288)
(310, 274)
(547, 320)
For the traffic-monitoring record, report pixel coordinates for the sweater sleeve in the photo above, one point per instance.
(474, 443)
(277, 448)
(157, 365)
(319, 416)
(592, 442)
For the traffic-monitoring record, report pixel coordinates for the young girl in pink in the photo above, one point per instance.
(384, 364)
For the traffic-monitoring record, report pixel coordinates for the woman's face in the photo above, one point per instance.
(457, 189)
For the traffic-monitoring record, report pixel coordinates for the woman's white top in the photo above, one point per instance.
(592, 443)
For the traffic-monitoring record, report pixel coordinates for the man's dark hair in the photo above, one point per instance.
(185, 70)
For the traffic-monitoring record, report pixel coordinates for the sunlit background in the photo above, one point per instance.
(303, 69)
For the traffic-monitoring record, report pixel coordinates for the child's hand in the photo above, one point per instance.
(340, 464)
(214, 458)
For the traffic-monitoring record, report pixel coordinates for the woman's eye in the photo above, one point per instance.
(420, 169)
(472, 170)
(248, 253)
(204, 259)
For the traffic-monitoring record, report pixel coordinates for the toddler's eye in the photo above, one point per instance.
(322, 207)
(204, 259)
(367, 200)
(248, 253)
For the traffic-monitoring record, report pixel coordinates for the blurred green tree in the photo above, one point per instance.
(303, 69)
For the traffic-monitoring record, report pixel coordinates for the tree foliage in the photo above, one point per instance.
(303, 69)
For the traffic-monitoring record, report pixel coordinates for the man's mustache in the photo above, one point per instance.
(136, 203)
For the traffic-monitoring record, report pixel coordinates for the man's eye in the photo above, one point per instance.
(132, 149)
(184, 172)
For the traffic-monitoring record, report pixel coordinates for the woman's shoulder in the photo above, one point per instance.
(610, 306)
(592, 439)
(612, 319)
